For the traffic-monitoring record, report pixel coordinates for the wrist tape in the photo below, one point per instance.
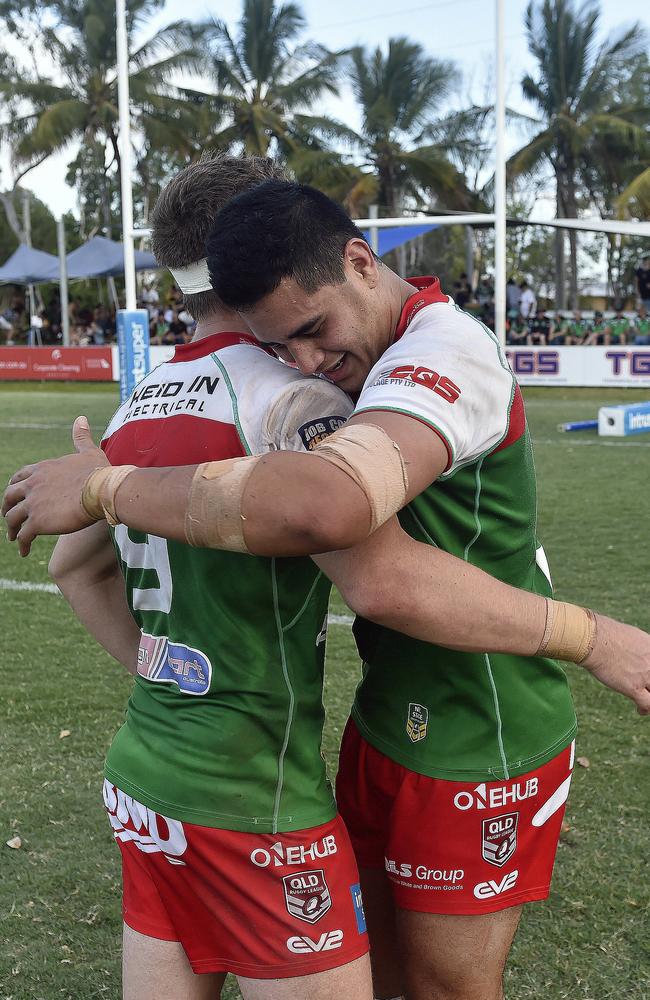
(569, 633)
(100, 489)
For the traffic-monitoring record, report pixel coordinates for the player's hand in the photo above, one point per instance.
(620, 660)
(45, 498)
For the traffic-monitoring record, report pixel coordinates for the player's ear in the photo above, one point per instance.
(359, 257)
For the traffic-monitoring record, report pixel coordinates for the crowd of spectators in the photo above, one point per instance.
(171, 324)
(579, 328)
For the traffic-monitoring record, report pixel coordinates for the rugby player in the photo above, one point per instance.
(233, 857)
(467, 742)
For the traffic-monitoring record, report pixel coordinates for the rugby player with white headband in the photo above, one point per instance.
(442, 741)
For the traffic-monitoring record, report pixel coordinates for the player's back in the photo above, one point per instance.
(224, 724)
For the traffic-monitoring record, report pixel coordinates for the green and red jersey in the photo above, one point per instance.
(223, 727)
(443, 713)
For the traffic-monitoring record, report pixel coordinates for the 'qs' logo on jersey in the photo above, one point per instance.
(166, 662)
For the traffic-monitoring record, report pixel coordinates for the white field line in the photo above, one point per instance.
(567, 441)
(50, 588)
(42, 588)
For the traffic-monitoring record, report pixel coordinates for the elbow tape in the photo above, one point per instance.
(370, 457)
(366, 454)
(213, 517)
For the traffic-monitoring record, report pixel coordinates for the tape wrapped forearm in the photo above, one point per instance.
(370, 457)
(569, 633)
(100, 490)
(213, 517)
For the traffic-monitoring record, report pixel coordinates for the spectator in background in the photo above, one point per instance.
(558, 331)
(7, 327)
(643, 282)
(513, 297)
(597, 334)
(642, 328)
(577, 329)
(540, 329)
(618, 328)
(460, 294)
(527, 302)
(517, 332)
(150, 297)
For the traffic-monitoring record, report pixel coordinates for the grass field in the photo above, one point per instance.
(60, 892)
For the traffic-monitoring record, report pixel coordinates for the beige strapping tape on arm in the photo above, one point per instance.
(364, 452)
(213, 518)
(370, 457)
(570, 632)
(100, 490)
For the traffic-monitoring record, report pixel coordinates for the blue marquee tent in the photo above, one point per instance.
(102, 258)
(27, 266)
(98, 258)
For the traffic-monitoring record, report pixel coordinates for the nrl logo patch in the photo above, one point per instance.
(307, 895)
(416, 723)
(499, 838)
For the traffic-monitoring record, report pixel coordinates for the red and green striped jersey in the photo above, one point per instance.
(448, 714)
(223, 727)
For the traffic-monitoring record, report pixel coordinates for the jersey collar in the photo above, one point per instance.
(428, 291)
(214, 342)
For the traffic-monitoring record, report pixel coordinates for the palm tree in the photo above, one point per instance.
(267, 82)
(77, 100)
(399, 94)
(576, 97)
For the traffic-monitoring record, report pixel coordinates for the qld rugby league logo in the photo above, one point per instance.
(500, 838)
(307, 895)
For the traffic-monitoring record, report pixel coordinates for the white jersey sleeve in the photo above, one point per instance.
(449, 372)
(277, 408)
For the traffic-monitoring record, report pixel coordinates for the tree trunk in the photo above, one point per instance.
(560, 259)
(7, 199)
(572, 213)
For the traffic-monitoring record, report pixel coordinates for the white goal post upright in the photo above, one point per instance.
(125, 153)
(500, 180)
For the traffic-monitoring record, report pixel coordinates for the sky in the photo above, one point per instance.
(460, 30)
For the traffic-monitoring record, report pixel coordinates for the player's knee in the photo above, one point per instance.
(455, 984)
(469, 990)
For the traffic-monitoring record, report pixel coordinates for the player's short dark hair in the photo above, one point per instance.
(188, 205)
(277, 230)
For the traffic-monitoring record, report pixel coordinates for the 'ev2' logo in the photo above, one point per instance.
(300, 945)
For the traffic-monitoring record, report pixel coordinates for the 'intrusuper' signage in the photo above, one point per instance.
(133, 344)
(621, 421)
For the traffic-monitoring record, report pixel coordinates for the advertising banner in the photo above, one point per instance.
(614, 367)
(65, 364)
(133, 347)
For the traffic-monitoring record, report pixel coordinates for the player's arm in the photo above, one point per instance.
(280, 504)
(431, 595)
(85, 569)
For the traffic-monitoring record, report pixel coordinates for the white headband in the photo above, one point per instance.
(194, 278)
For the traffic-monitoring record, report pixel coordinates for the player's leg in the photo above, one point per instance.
(365, 788)
(449, 957)
(159, 970)
(385, 959)
(352, 982)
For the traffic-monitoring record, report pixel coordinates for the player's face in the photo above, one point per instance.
(339, 331)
